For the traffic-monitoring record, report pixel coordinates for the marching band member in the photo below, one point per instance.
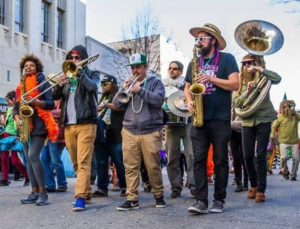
(141, 132)
(174, 133)
(79, 115)
(219, 74)
(42, 124)
(256, 127)
(287, 124)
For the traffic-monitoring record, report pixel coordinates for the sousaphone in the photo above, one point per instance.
(258, 38)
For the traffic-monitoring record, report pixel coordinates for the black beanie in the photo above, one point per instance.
(179, 64)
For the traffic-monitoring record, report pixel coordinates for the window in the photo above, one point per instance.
(45, 21)
(2, 12)
(19, 15)
(59, 28)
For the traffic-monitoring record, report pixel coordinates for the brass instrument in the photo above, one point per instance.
(69, 68)
(258, 38)
(197, 90)
(124, 96)
(25, 112)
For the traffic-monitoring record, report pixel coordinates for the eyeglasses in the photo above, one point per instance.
(104, 84)
(201, 39)
(174, 69)
(247, 63)
(74, 57)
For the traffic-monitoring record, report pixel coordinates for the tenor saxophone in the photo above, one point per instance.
(197, 90)
(25, 112)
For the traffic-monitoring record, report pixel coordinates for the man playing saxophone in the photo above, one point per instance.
(219, 74)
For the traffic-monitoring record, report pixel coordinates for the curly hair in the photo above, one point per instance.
(31, 57)
(287, 108)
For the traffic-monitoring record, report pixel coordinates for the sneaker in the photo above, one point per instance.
(62, 189)
(252, 193)
(26, 182)
(79, 204)
(160, 202)
(286, 176)
(129, 205)
(217, 207)
(42, 200)
(4, 183)
(123, 193)
(87, 200)
(99, 193)
(198, 208)
(293, 178)
(239, 188)
(260, 197)
(175, 193)
(50, 190)
(31, 199)
(92, 181)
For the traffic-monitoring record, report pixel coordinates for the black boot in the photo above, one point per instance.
(239, 187)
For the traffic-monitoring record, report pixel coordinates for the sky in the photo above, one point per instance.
(105, 19)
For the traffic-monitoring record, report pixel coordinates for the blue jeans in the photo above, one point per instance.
(51, 156)
(102, 152)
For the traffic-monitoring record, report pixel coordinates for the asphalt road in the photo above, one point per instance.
(281, 209)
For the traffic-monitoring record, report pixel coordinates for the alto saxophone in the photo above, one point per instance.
(197, 90)
(25, 112)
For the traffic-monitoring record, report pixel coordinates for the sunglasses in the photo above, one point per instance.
(74, 57)
(105, 84)
(174, 69)
(247, 63)
(201, 39)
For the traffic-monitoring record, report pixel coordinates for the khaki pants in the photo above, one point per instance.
(284, 157)
(80, 144)
(134, 148)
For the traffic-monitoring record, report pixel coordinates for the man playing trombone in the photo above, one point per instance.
(79, 115)
(141, 132)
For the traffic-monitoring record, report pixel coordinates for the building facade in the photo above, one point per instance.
(47, 28)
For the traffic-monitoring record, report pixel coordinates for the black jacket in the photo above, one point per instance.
(86, 94)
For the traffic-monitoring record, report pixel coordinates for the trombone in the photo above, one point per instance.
(69, 68)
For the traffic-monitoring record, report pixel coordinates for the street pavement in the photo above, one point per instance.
(281, 209)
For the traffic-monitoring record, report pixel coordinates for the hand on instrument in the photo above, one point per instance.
(63, 80)
(100, 107)
(250, 86)
(252, 68)
(136, 87)
(127, 82)
(202, 78)
(190, 106)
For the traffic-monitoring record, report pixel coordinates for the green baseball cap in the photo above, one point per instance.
(137, 59)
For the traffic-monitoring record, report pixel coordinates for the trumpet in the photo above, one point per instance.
(69, 68)
(124, 96)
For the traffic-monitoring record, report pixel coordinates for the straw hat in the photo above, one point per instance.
(211, 29)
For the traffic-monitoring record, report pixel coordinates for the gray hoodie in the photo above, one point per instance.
(150, 119)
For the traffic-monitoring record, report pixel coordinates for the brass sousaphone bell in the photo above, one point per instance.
(258, 38)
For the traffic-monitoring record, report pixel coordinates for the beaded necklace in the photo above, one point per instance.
(132, 97)
(215, 57)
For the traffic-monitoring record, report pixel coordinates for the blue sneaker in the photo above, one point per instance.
(79, 204)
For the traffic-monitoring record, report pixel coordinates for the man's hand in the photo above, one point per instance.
(136, 87)
(202, 78)
(63, 80)
(127, 82)
(190, 106)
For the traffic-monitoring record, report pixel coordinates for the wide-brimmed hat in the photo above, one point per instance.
(211, 29)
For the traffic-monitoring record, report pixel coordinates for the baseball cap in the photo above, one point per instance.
(137, 59)
(109, 78)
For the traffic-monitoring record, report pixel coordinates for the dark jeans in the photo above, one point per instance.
(102, 152)
(257, 170)
(238, 157)
(217, 133)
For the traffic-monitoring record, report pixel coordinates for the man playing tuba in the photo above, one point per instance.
(257, 126)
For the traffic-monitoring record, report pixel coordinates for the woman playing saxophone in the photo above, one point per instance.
(35, 123)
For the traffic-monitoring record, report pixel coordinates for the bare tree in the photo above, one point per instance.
(293, 5)
(142, 35)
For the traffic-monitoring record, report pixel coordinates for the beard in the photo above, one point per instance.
(203, 51)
